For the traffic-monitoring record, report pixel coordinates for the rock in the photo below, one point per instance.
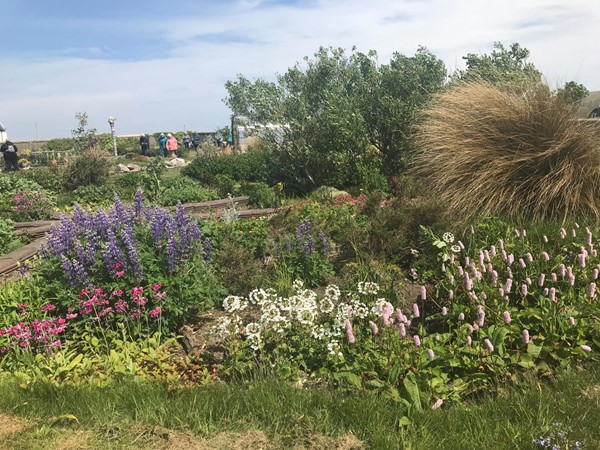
(176, 162)
(138, 157)
(122, 168)
(134, 167)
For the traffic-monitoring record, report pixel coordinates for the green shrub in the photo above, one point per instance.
(185, 190)
(91, 168)
(490, 152)
(225, 185)
(13, 186)
(93, 195)
(8, 240)
(261, 195)
(250, 166)
(50, 178)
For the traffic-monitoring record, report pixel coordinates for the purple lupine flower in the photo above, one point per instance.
(507, 318)
(489, 345)
(208, 250)
(416, 312)
(127, 234)
(138, 202)
(431, 354)
(592, 290)
(349, 333)
(417, 340)
(374, 327)
(525, 337)
(324, 242)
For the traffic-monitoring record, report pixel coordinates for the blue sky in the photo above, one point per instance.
(162, 65)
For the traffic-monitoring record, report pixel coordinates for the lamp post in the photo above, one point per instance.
(111, 122)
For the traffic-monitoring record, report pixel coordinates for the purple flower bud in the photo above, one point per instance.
(525, 337)
(489, 345)
(416, 312)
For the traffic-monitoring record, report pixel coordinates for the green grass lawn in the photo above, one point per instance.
(267, 413)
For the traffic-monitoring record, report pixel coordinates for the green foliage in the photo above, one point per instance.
(8, 240)
(261, 195)
(250, 166)
(572, 93)
(91, 168)
(50, 178)
(337, 106)
(507, 67)
(82, 136)
(17, 191)
(58, 146)
(184, 190)
(93, 195)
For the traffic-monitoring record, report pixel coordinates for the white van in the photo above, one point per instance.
(3, 136)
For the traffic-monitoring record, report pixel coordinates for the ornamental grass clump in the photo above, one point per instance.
(489, 152)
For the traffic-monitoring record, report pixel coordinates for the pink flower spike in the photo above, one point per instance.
(349, 333)
(416, 312)
(507, 318)
(423, 293)
(156, 286)
(431, 354)
(572, 321)
(489, 345)
(525, 337)
(586, 348)
(374, 328)
(592, 290)
(444, 311)
(437, 404)
(469, 340)
(461, 317)
(417, 340)
(402, 329)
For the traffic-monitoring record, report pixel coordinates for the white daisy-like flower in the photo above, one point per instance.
(232, 303)
(368, 287)
(448, 238)
(326, 305)
(298, 285)
(333, 292)
(258, 297)
(306, 316)
(255, 341)
(252, 328)
(285, 303)
(455, 248)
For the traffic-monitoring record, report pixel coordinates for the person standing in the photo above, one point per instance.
(162, 145)
(172, 144)
(144, 144)
(196, 141)
(186, 141)
(9, 150)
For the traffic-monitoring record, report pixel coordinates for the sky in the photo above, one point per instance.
(162, 65)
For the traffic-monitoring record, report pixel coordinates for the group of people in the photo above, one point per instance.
(168, 145)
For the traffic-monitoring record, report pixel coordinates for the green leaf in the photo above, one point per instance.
(412, 388)
(534, 350)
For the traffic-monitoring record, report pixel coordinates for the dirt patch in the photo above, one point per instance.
(74, 440)
(252, 439)
(593, 392)
(11, 425)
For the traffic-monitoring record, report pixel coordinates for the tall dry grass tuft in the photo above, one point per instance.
(484, 151)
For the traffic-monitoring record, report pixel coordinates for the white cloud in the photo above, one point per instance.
(186, 88)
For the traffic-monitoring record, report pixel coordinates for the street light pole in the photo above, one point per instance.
(111, 122)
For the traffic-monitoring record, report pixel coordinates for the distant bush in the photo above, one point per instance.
(250, 166)
(91, 168)
(185, 190)
(261, 195)
(484, 151)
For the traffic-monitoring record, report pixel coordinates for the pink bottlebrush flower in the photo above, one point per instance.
(572, 279)
(507, 318)
(349, 333)
(469, 284)
(423, 293)
(486, 256)
(493, 250)
(524, 290)
(451, 279)
(510, 259)
(529, 257)
(517, 234)
(443, 267)
(528, 281)
(478, 274)
(417, 340)
(504, 255)
(489, 345)
(470, 328)
(592, 290)
(469, 340)
(430, 354)
(525, 337)
(572, 321)
(461, 316)
(552, 294)
(553, 277)
(586, 348)
(475, 326)
(581, 259)
(438, 403)
(595, 274)
(508, 285)
(588, 235)
(546, 256)
(48, 307)
(574, 232)
(494, 278)
(524, 232)
(450, 294)
(402, 329)
(484, 295)
(461, 245)
(481, 258)
(374, 328)
(460, 271)
(541, 280)
(501, 244)
(546, 291)
(399, 315)
(452, 258)
(563, 270)
(522, 263)
(416, 312)
(563, 233)
(480, 318)
(444, 311)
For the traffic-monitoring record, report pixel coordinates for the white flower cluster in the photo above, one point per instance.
(322, 317)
